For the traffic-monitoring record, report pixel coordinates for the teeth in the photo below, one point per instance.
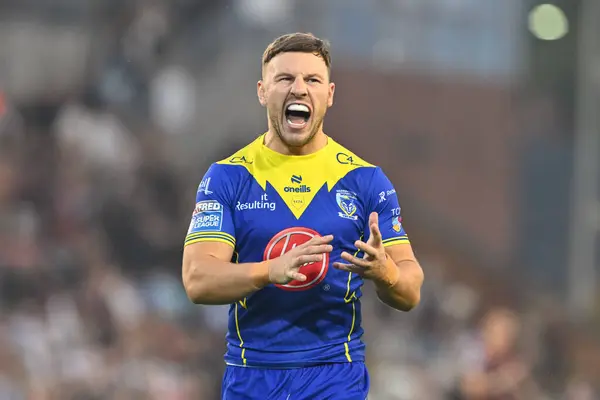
(298, 107)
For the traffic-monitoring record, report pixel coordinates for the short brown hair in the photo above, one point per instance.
(298, 42)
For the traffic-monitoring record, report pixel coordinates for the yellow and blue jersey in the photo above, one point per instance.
(263, 203)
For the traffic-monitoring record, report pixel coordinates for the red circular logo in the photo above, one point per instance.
(285, 241)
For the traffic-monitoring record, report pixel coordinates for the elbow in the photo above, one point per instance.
(194, 292)
(194, 295)
(413, 297)
(400, 302)
(194, 284)
(197, 294)
(411, 301)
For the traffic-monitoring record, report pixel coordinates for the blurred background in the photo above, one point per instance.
(484, 114)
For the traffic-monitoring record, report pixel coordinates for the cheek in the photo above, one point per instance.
(274, 107)
(273, 111)
(323, 101)
(274, 100)
(321, 95)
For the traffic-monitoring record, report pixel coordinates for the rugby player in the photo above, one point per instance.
(286, 231)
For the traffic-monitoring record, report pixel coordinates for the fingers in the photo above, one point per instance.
(360, 262)
(323, 248)
(317, 245)
(310, 252)
(318, 240)
(295, 275)
(366, 248)
(349, 268)
(374, 228)
(307, 259)
(373, 218)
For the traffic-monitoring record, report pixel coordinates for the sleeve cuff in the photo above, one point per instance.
(210, 237)
(395, 240)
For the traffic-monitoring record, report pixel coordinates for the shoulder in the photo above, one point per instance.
(351, 166)
(368, 179)
(347, 158)
(236, 166)
(244, 157)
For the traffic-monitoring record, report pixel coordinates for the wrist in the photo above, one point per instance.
(390, 276)
(259, 274)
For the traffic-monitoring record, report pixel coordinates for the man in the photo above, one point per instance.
(269, 222)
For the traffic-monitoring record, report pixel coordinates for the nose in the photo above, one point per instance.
(299, 88)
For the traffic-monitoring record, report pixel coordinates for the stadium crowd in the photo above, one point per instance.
(93, 212)
(91, 231)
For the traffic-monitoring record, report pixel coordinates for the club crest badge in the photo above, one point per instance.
(346, 201)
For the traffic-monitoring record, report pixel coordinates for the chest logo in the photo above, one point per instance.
(346, 201)
(297, 186)
(263, 204)
(285, 241)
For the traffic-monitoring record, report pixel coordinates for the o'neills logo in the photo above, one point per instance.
(297, 179)
(297, 189)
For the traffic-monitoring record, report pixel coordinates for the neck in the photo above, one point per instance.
(274, 142)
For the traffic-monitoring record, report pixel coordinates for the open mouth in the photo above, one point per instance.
(297, 115)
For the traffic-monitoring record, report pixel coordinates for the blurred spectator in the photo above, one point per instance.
(97, 136)
(496, 369)
(95, 197)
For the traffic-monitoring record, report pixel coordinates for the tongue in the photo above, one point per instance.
(294, 119)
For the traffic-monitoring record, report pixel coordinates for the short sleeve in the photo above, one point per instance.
(212, 218)
(383, 199)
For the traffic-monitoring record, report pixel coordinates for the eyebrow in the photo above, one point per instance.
(313, 75)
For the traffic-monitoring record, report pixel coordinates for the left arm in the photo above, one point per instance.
(397, 275)
(403, 290)
(388, 259)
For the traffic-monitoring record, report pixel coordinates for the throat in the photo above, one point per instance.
(296, 119)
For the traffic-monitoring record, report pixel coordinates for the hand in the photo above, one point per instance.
(284, 269)
(375, 264)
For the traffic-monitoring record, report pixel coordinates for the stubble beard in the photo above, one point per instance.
(297, 140)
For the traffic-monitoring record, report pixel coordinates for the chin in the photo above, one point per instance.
(296, 139)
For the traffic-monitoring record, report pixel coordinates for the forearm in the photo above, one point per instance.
(208, 280)
(401, 289)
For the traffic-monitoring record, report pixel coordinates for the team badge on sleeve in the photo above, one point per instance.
(207, 216)
(397, 224)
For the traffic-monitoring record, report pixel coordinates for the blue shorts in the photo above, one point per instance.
(343, 381)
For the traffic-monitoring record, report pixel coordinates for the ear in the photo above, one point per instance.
(331, 93)
(260, 91)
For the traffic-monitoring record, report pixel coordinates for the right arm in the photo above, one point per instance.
(210, 278)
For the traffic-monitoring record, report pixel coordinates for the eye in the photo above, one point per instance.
(285, 79)
(314, 80)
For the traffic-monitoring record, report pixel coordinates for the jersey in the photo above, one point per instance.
(262, 204)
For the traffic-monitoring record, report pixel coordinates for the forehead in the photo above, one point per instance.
(296, 63)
